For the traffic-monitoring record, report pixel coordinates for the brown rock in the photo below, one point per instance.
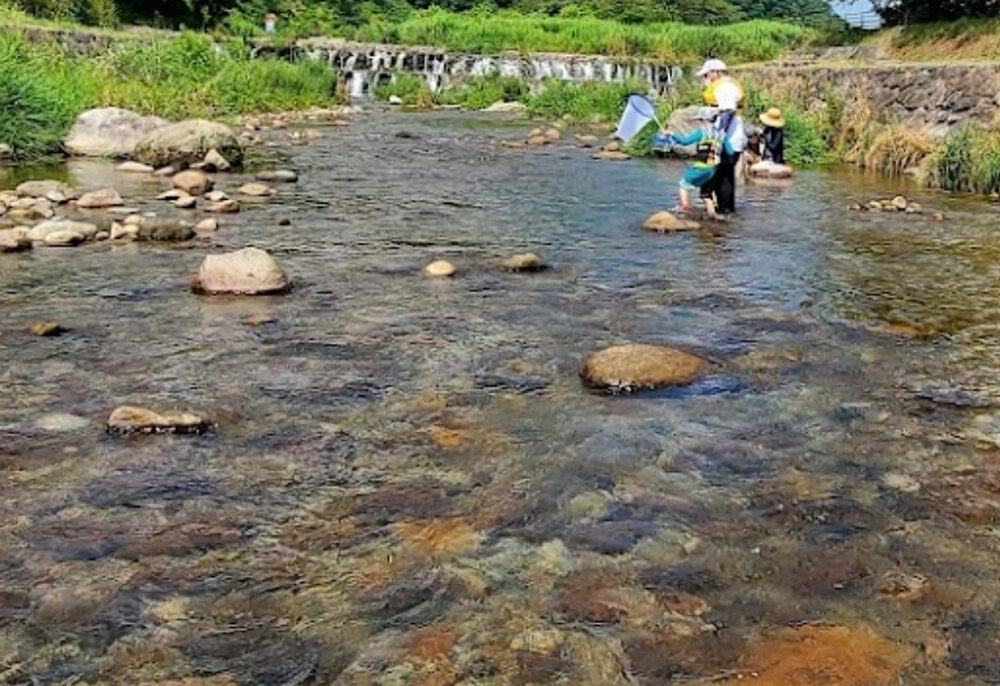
(207, 225)
(538, 141)
(899, 203)
(186, 203)
(635, 366)
(438, 537)
(192, 182)
(105, 197)
(47, 329)
(612, 146)
(823, 656)
(128, 420)
(250, 271)
(215, 161)
(553, 134)
(665, 222)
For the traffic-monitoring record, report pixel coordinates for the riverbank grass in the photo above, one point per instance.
(43, 89)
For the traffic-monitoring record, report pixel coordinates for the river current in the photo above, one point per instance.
(408, 483)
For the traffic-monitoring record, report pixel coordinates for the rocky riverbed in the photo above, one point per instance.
(398, 478)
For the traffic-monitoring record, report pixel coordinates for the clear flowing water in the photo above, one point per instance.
(409, 484)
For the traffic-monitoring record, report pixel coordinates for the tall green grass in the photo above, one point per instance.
(968, 160)
(503, 31)
(42, 90)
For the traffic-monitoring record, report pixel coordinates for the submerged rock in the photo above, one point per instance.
(109, 132)
(41, 189)
(257, 190)
(99, 199)
(192, 182)
(665, 222)
(187, 143)
(526, 262)
(612, 156)
(163, 230)
(440, 268)
(135, 168)
(250, 271)
(47, 329)
(128, 419)
(63, 239)
(636, 366)
(278, 176)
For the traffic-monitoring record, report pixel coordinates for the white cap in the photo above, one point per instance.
(712, 65)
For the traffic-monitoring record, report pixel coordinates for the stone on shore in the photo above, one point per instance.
(214, 161)
(440, 268)
(193, 182)
(187, 143)
(256, 190)
(505, 107)
(40, 232)
(131, 420)
(109, 132)
(14, 240)
(278, 176)
(526, 262)
(134, 168)
(665, 222)
(100, 199)
(41, 189)
(250, 271)
(63, 239)
(635, 366)
(47, 329)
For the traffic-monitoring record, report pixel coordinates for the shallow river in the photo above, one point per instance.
(408, 483)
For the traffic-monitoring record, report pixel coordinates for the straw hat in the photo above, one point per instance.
(773, 118)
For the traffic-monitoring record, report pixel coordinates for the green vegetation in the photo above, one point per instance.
(324, 16)
(748, 41)
(43, 90)
(968, 160)
(917, 11)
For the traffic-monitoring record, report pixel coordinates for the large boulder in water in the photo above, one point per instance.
(110, 132)
(187, 143)
(681, 123)
(250, 271)
(635, 366)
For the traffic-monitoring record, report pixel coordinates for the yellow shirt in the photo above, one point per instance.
(727, 87)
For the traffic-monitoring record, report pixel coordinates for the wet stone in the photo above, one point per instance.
(278, 658)
(47, 329)
(129, 419)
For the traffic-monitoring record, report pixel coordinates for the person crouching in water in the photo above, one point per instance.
(772, 138)
(699, 175)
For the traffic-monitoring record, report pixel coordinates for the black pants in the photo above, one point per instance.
(723, 184)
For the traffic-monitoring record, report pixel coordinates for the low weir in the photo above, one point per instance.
(364, 67)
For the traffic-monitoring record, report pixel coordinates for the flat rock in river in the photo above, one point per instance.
(278, 176)
(41, 189)
(109, 132)
(100, 199)
(127, 419)
(250, 271)
(41, 231)
(187, 143)
(526, 262)
(665, 222)
(635, 366)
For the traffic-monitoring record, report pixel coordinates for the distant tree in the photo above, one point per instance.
(916, 11)
(808, 12)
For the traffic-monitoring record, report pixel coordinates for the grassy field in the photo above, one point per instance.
(963, 40)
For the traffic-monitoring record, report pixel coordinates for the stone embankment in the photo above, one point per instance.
(937, 98)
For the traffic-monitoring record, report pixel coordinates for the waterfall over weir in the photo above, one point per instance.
(366, 66)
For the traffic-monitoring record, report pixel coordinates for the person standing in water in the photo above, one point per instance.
(725, 93)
